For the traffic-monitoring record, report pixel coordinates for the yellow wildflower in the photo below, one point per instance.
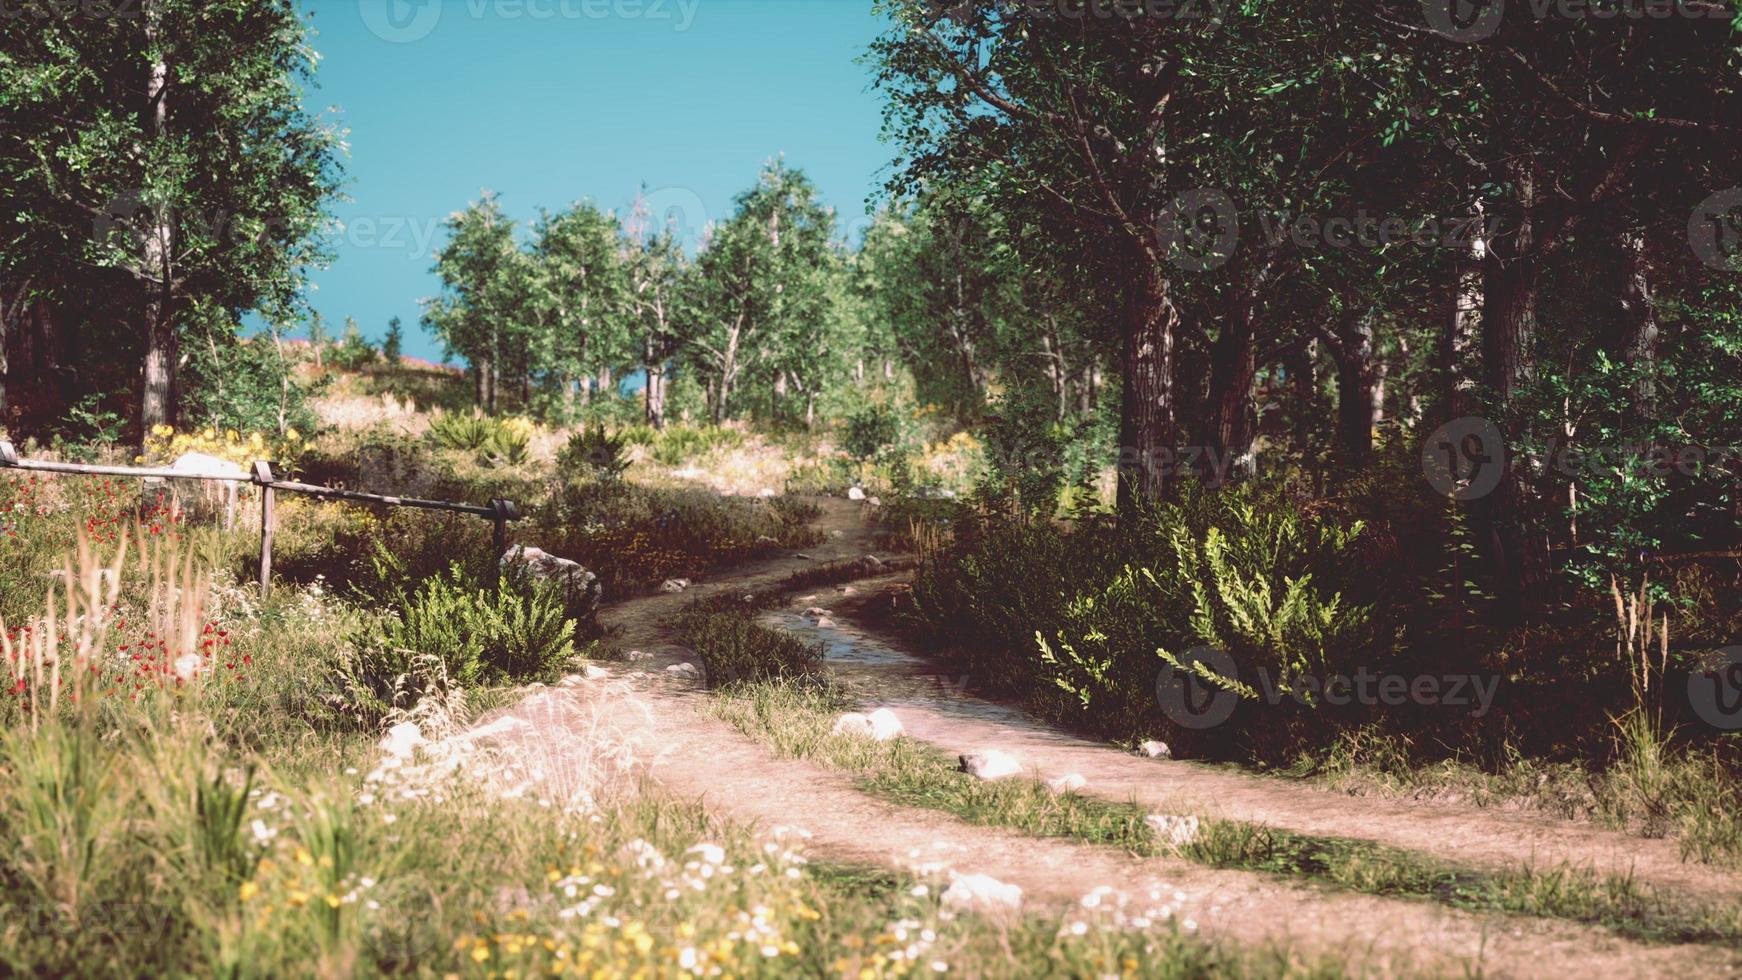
(248, 890)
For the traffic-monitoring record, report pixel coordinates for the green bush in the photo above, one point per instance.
(506, 447)
(464, 433)
(592, 451)
(871, 433)
(681, 444)
(517, 631)
(734, 648)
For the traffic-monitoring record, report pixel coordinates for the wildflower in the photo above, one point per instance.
(248, 890)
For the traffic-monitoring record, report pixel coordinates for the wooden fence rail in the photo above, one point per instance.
(498, 512)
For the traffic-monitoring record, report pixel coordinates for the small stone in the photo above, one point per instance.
(637, 656)
(990, 764)
(1155, 750)
(594, 672)
(767, 492)
(846, 590)
(837, 533)
(674, 585)
(855, 493)
(982, 893)
(1068, 783)
(816, 612)
(1175, 831)
(825, 623)
(802, 557)
(542, 566)
(874, 501)
(688, 672)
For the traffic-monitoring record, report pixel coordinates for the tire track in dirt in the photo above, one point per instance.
(692, 755)
(934, 708)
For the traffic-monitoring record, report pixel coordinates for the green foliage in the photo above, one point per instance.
(872, 432)
(680, 444)
(353, 353)
(516, 631)
(249, 384)
(736, 649)
(506, 446)
(393, 345)
(468, 433)
(633, 536)
(593, 451)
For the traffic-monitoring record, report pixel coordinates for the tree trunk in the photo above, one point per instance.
(1354, 357)
(1146, 411)
(157, 390)
(1639, 310)
(1510, 278)
(1462, 318)
(655, 392)
(1300, 375)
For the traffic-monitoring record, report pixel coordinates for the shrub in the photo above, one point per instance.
(465, 433)
(592, 451)
(517, 631)
(735, 648)
(506, 447)
(680, 444)
(871, 433)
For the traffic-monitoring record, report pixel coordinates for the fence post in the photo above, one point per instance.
(505, 511)
(263, 477)
(8, 455)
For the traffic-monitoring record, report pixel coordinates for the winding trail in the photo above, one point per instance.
(686, 752)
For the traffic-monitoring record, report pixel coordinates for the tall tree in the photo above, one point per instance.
(159, 161)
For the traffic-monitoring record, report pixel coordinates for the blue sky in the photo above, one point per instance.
(551, 101)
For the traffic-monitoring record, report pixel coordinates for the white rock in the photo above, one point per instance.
(767, 492)
(402, 740)
(595, 672)
(871, 563)
(637, 656)
(542, 566)
(874, 501)
(1155, 750)
(674, 585)
(1068, 783)
(837, 533)
(879, 726)
(990, 764)
(816, 612)
(855, 493)
(689, 672)
(1175, 831)
(982, 893)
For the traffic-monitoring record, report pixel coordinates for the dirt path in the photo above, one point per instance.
(693, 755)
(933, 708)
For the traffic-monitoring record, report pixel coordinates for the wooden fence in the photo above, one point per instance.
(498, 512)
